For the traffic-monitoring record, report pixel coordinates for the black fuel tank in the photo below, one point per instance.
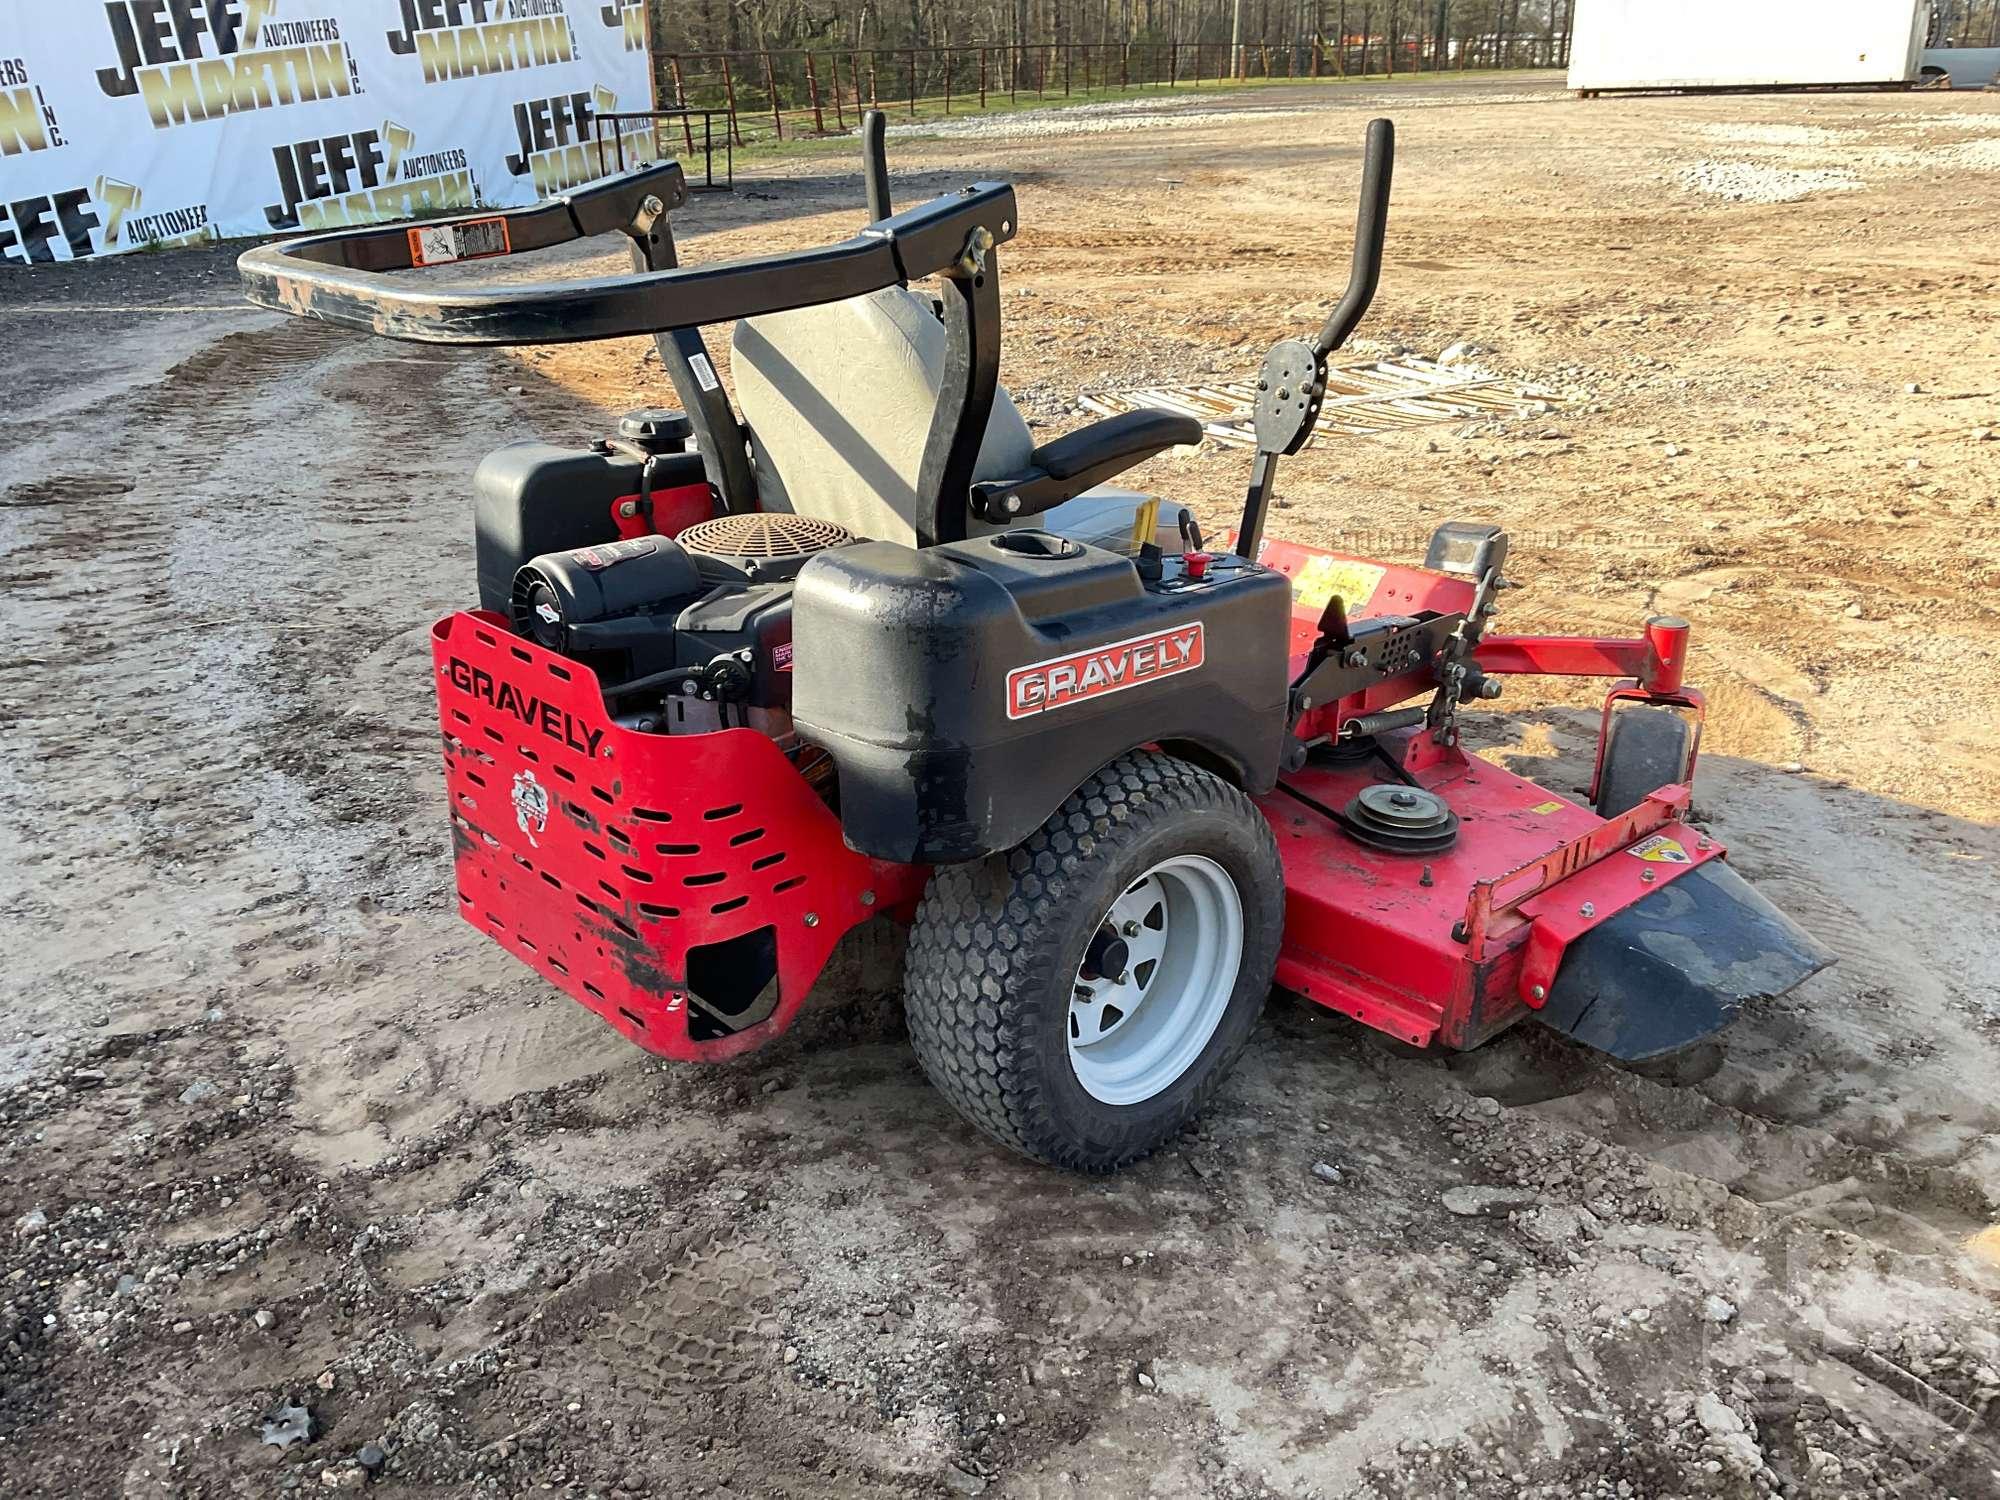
(965, 690)
(532, 498)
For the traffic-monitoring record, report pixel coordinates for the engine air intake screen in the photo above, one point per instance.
(763, 535)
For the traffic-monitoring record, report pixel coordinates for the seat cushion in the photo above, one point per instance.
(838, 399)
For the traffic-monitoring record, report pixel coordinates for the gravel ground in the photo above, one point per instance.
(1796, 161)
(1753, 182)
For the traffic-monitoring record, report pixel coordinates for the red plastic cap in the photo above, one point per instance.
(1196, 564)
(1667, 650)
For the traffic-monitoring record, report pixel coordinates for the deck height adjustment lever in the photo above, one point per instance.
(1459, 676)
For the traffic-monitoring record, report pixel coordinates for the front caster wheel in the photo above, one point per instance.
(1080, 997)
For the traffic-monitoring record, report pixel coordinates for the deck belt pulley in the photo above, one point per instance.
(1399, 819)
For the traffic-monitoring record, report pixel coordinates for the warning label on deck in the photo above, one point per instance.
(1323, 577)
(1660, 850)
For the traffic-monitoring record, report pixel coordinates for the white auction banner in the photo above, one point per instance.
(138, 124)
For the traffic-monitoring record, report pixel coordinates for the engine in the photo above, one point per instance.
(687, 634)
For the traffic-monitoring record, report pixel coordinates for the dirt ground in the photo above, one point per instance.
(277, 1129)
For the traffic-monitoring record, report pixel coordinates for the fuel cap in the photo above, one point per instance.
(656, 429)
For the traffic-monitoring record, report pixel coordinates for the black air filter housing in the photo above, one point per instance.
(532, 498)
(611, 606)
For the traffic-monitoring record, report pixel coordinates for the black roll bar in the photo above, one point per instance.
(875, 165)
(346, 277)
(609, 204)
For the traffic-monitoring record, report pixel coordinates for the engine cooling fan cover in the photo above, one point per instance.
(763, 545)
(1399, 819)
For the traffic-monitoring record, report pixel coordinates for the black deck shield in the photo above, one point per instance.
(1676, 967)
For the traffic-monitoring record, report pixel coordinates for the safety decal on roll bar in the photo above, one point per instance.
(469, 239)
(1064, 680)
(1660, 850)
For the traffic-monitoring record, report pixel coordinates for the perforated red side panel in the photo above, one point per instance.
(601, 855)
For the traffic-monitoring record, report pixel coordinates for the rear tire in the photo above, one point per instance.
(1646, 749)
(1154, 869)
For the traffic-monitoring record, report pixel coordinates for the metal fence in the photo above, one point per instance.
(787, 94)
(664, 133)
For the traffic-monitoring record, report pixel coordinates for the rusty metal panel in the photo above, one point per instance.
(1361, 399)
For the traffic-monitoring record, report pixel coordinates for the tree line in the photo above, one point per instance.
(1430, 33)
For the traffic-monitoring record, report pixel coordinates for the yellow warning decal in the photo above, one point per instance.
(1660, 850)
(1545, 808)
(1986, 1244)
(1323, 577)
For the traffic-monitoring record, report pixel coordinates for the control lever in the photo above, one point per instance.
(875, 165)
(1194, 557)
(1292, 383)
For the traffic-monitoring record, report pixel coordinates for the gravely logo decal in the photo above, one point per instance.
(556, 723)
(1064, 680)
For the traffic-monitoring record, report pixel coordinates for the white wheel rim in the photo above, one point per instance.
(1133, 1036)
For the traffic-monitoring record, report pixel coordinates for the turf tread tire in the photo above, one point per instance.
(996, 941)
(1647, 748)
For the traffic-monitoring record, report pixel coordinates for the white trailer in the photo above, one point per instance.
(1745, 44)
(1967, 67)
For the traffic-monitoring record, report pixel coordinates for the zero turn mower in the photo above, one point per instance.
(745, 676)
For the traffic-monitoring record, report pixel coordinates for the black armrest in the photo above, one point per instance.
(1064, 469)
(1119, 442)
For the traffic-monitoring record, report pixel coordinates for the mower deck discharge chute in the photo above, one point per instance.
(740, 682)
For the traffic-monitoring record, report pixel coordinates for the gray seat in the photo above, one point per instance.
(839, 398)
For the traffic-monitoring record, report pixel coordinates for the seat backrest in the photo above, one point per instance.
(838, 400)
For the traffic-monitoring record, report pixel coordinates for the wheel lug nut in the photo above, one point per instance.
(1130, 929)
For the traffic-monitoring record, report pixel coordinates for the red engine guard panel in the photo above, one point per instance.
(601, 856)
